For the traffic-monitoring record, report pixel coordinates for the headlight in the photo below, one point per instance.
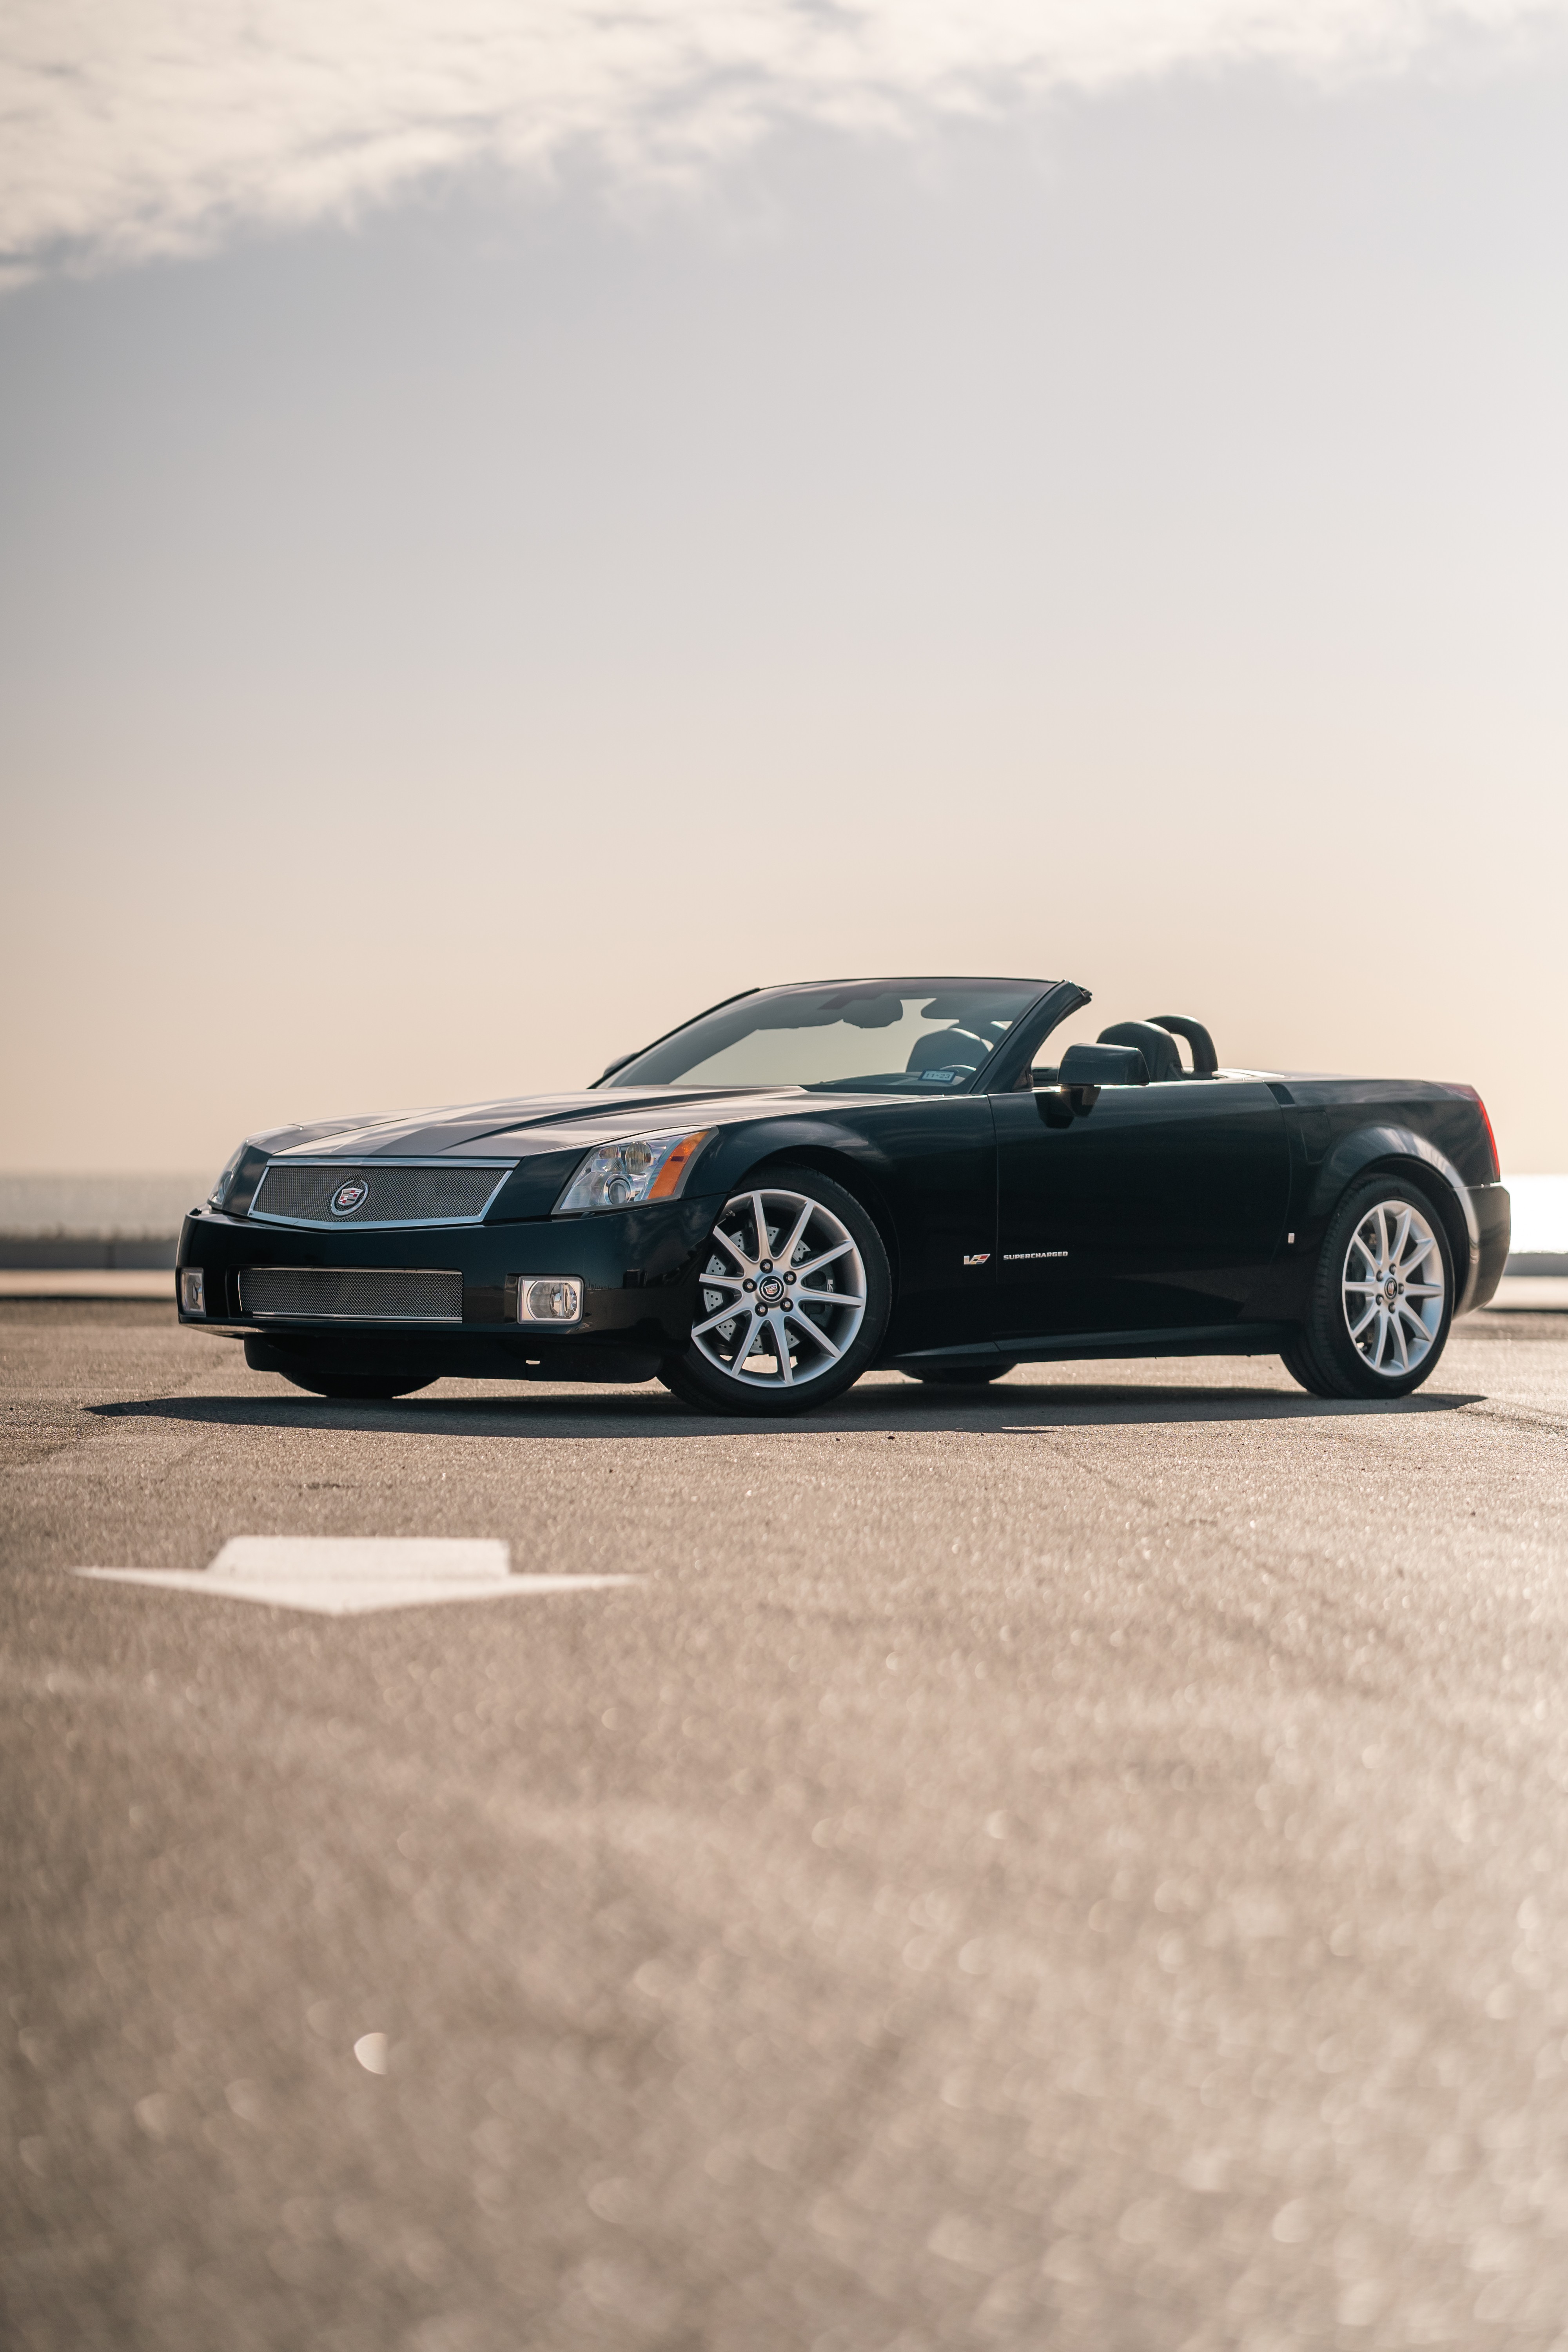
(624, 1175)
(220, 1190)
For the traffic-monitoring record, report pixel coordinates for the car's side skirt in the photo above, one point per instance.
(1201, 1339)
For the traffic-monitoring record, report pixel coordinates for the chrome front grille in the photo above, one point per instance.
(395, 1191)
(331, 1294)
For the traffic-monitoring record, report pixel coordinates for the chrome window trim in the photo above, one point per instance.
(377, 1224)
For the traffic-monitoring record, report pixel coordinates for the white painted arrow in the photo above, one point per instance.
(345, 1576)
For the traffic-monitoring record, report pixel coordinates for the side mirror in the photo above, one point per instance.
(1104, 1065)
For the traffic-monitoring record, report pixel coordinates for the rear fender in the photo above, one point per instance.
(1389, 1147)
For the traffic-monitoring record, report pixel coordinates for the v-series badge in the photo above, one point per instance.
(980, 1258)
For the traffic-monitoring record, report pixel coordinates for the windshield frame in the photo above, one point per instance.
(982, 1080)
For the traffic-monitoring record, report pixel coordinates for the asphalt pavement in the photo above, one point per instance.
(1079, 1868)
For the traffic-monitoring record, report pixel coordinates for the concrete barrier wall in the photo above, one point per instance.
(56, 1224)
(56, 1254)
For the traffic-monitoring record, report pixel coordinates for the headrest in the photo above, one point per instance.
(1206, 1061)
(1157, 1046)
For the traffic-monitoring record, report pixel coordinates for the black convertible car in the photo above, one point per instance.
(949, 1176)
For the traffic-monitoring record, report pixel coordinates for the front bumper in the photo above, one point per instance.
(638, 1268)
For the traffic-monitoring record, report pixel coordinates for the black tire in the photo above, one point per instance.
(1412, 1326)
(357, 1388)
(1299, 1366)
(966, 1376)
(816, 1378)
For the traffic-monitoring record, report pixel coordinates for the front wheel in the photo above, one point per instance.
(792, 1299)
(1382, 1296)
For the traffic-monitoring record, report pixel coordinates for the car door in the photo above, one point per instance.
(935, 1165)
(1143, 1209)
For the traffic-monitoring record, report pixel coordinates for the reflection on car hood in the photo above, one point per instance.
(516, 1128)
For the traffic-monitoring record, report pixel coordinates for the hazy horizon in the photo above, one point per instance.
(455, 625)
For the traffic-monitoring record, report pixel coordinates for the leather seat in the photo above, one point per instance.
(1157, 1046)
(946, 1049)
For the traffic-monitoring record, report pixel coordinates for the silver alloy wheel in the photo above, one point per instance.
(783, 1294)
(1394, 1287)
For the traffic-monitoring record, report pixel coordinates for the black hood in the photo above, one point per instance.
(526, 1124)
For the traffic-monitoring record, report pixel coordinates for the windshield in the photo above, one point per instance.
(892, 1035)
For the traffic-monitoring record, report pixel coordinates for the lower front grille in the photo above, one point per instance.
(352, 1293)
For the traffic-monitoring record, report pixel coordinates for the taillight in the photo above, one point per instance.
(1486, 1122)
(1491, 1140)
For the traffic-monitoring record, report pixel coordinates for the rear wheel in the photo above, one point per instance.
(1382, 1296)
(792, 1299)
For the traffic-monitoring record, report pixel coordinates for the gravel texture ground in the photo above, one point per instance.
(1078, 1869)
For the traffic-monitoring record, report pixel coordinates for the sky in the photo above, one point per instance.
(517, 521)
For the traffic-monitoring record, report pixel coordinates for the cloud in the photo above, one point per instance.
(129, 128)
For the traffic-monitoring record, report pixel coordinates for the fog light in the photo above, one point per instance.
(193, 1290)
(548, 1299)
